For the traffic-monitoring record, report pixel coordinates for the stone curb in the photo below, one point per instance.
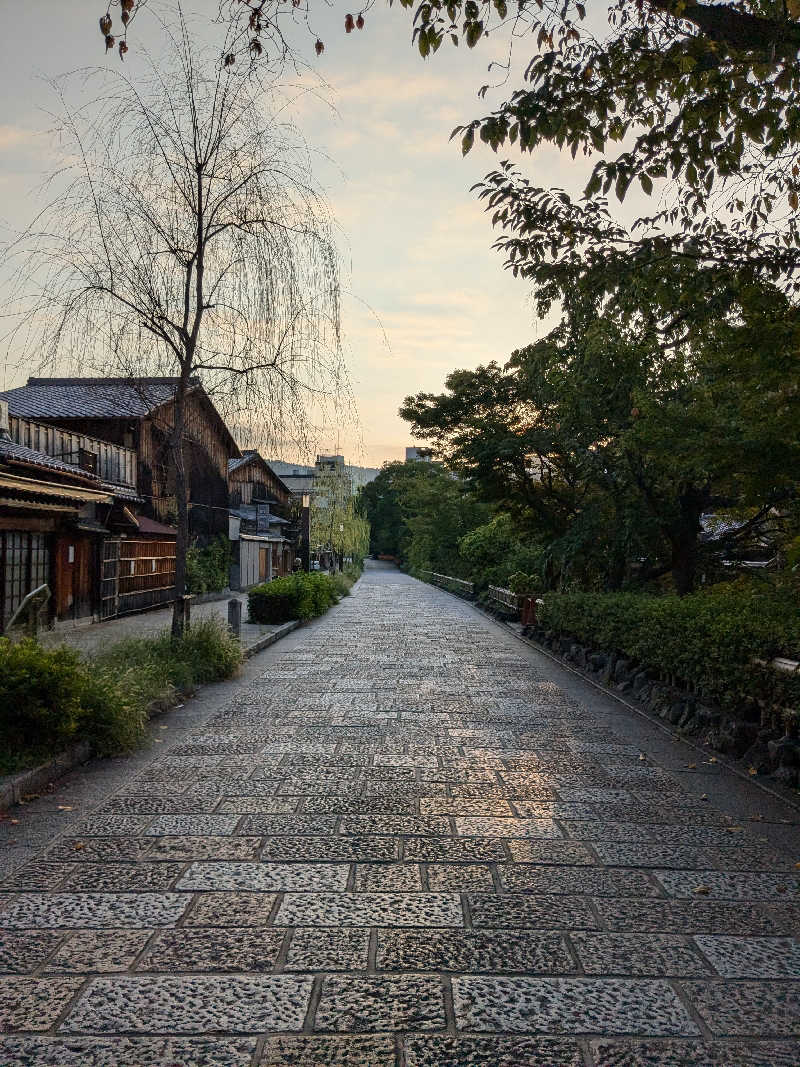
(14, 788)
(270, 639)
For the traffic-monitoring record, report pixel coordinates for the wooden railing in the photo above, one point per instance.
(112, 463)
(504, 597)
(447, 581)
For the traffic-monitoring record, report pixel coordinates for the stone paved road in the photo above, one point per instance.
(404, 845)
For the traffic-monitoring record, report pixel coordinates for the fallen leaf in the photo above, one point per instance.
(780, 889)
(702, 890)
(14, 822)
(756, 817)
(713, 760)
(734, 829)
(78, 846)
(65, 807)
(752, 772)
(642, 757)
(704, 796)
(797, 865)
(692, 766)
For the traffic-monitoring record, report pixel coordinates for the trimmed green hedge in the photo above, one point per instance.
(709, 639)
(51, 698)
(297, 596)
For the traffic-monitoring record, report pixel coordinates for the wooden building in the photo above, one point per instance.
(55, 516)
(137, 414)
(262, 529)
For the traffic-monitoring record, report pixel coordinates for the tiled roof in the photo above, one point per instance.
(88, 398)
(14, 453)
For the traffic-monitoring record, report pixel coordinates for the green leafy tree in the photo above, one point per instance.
(611, 448)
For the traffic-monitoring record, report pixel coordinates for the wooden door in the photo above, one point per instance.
(262, 564)
(73, 577)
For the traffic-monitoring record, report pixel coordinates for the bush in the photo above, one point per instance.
(50, 698)
(709, 640)
(208, 569)
(297, 596)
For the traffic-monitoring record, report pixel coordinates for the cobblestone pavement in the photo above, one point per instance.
(403, 844)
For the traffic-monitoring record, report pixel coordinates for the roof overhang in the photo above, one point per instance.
(27, 489)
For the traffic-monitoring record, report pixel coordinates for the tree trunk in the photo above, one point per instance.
(683, 537)
(182, 541)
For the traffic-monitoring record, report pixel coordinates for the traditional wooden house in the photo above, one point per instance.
(63, 498)
(138, 413)
(262, 531)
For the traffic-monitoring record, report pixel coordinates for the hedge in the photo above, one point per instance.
(708, 640)
(297, 596)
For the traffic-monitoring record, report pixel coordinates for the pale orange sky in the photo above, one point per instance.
(424, 291)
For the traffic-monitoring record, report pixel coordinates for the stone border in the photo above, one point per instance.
(33, 780)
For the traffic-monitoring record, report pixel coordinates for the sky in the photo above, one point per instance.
(424, 293)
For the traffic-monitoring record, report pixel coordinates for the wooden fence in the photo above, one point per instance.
(447, 581)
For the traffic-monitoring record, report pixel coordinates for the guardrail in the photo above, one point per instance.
(447, 581)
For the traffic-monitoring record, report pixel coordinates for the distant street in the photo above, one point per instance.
(405, 839)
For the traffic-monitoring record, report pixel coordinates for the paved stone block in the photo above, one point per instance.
(691, 1054)
(93, 910)
(475, 826)
(257, 805)
(395, 824)
(487, 806)
(230, 909)
(328, 950)
(560, 852)
(454, 849)
(744, 857)
(37, 875)
(725, 885)
(459, 876)
(331, 1051)
(269, 825)
(654, 956)
(119, 877)
(696, 916)
(98, 849)
(756, 1009)
(650, 854)
(384, 1003)
(199, 848)
(383, 804)
(595, 881)
(752, 957)
(22, 953)
(441, 1051)
(586, 830)
(112, 825)
(454, 950)
(498, 912)
(569, 1005)
(330, 848)
(192, 825)
(67, 1051)
(34, 1003)
(98, 950)
(152, 804)
(227, 948)
(388, 878)
(370, 909)
(191, 1004)
(553, 809)
(274, 877)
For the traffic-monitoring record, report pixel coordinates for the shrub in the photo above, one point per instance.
(297, 596)
(50, 698)
(208, 568)
(710, 639)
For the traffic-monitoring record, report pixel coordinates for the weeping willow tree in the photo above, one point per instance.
(187, 239)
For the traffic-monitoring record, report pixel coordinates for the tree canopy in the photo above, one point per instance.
(612, 451)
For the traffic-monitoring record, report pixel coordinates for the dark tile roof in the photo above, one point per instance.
(88, 398)
(14, 453)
